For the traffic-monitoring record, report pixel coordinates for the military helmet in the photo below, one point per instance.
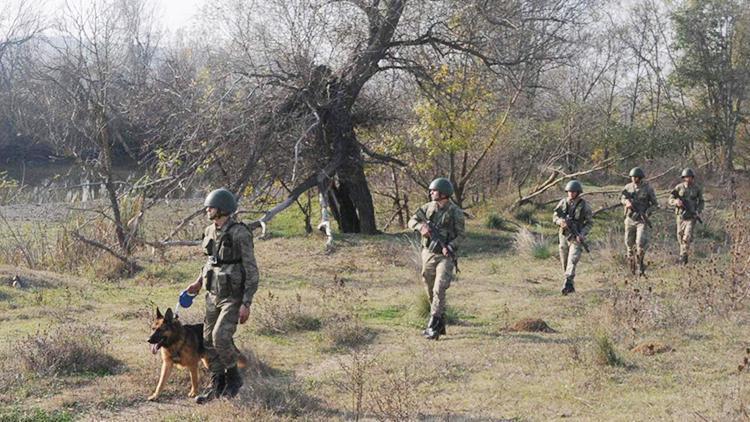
(687, 172)
(637, 172)
(574, 186)
(222, 200)
(442, 185)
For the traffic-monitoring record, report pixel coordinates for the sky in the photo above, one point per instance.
(176, 14)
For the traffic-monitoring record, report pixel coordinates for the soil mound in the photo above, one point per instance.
(533, 325)
(652, 348)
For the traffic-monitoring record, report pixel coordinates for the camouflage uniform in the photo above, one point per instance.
(570, 250)
(437, 269)
(693, 195)
(642, 197)
(231, 279)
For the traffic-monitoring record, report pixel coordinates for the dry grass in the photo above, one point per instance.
(531, 245)
(273, 315)
(67, 350)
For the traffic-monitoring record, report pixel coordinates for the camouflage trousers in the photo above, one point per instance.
(219, 325)
(437, 274)
(570, 254)
(636, 238)
(685, 234)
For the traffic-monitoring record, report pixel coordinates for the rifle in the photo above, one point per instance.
(573, 232)
(638, 214)
(437, 242)
(688, 211)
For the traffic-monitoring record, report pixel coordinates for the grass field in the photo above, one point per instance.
(336, 334)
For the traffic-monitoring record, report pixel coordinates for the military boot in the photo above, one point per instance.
(641, 267)
(218, 383)
(683, 260)
(234, 382)
(568, 288)
(442, 324)
(433, 331)
(631, 263)
(430, 323)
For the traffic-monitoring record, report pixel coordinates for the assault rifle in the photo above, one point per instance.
(688, 211)
(573, 232)
(437, 242)
(637, 214)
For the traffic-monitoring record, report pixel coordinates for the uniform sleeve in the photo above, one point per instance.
(588, 219)
(247, 252)
(700, 203)
(460, 229)
(555, 216)
(416, 220)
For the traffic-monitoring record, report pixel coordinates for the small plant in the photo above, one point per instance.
(606, 354)
(343, 308)
(272, 316)
(525, 214)
(424, 309)
(495, 222)
(531, 245)
(69, 350)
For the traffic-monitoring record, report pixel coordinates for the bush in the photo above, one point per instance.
(343, 326)
(531, 245)
(272, 316)
(495, 221)
(606, 354)
(71, 349)
(525, 214)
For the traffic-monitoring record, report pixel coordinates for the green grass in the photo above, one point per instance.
(34, 415)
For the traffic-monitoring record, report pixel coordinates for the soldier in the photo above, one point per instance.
(441, 224)
(687, 198)
(575, 218)
(637, 197)
(231, 277)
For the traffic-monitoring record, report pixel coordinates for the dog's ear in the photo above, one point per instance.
(168, 316)
(158, 314)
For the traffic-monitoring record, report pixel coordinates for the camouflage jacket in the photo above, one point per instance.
(449, 220)
(230, 271)
(643, 198)
(693, 196)
(581, 214)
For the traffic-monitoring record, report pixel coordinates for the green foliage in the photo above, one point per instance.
(495, 221)
(525, 214)
(606, 354)
(541, 251)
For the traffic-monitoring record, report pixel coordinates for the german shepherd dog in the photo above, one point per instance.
(180, 345)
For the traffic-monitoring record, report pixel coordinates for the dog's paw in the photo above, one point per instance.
(153, 397)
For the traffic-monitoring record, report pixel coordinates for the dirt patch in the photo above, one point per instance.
(533, 325)
(652, 348)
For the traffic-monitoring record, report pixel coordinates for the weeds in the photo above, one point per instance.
(525, 214)
(605, 352)
(495, 222)
(274, 316)
(343, 308)
(424, 309)
(531, 245)
(69, 350)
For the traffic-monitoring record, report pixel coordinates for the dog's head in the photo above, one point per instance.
(164, 329)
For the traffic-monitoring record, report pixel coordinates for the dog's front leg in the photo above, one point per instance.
(193, 380)
(166, 368)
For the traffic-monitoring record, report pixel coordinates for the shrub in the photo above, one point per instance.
(525, 214)
(70, 349)
(606, 354)
(274, 316)
(343, 307)
(495, 221)
(424, 308)
(531, 245)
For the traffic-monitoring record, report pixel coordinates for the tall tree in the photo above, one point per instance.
(713, 37)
